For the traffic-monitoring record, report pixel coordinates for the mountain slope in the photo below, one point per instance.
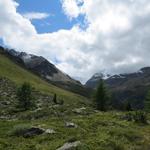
(94, 80)
(133, 86)
(18, 75)
(40, 66)
(46, 70)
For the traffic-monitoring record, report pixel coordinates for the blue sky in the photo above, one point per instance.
(57, 19)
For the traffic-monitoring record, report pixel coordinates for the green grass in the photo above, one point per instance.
(15, 73)
(98, 131)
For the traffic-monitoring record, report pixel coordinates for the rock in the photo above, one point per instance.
(71, 125)
(50, 131)
(33, 131)
(96, 111)
(5, 93)
(148, 122)
(4, 117)
(69, 146)
(79, 110)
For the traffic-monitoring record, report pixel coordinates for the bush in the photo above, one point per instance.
(116, 145)
(19, 130)
(128, 106)
(140, 117)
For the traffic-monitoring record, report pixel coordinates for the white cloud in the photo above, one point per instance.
(36, 15)
(72, 7)
(117, 38)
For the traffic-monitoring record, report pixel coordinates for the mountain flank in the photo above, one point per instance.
(132, 86)
(46, 70)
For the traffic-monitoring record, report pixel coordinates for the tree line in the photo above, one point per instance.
(103, 101)
(102, 98)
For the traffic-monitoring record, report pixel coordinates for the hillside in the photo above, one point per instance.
(18, 75)
(46, 70)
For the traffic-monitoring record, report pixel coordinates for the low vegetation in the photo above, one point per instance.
(106, 131)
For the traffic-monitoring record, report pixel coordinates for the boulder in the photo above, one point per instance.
(33, 132)
(79, 110)
(50, 131)
(69, 146)
(71, 125)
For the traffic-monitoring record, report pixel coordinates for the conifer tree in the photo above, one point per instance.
(101, 97)
(147, 102)
(24, 96)
(128, 106)
(55, 99)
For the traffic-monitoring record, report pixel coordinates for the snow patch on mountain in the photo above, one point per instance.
(101, 76)
(26, 58)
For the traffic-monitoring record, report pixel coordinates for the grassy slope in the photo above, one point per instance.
(19, 75)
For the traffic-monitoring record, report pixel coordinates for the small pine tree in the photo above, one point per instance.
(55, 99)
(147, 102)
(128, 106)
(24, 95)
(101, 97)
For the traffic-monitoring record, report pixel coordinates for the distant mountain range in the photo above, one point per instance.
(133, 86)
(46, 70)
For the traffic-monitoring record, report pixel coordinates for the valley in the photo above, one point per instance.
(73, 124)
(75, 75)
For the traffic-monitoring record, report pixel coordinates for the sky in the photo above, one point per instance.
(81, 37)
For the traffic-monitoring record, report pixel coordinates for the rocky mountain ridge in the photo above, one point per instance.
(41, 66)
(46, 70)
(132, 86)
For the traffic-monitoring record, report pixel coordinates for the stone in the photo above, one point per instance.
(33, 132)
(69, 146)
(79, 110)
(148, 122)
(71, 125)
(50, 131)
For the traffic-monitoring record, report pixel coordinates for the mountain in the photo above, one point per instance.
(132, 86)
(46, 70)
(41, 66)
(94, 80)
(17, 74)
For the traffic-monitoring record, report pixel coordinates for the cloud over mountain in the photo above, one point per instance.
(117, 37)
